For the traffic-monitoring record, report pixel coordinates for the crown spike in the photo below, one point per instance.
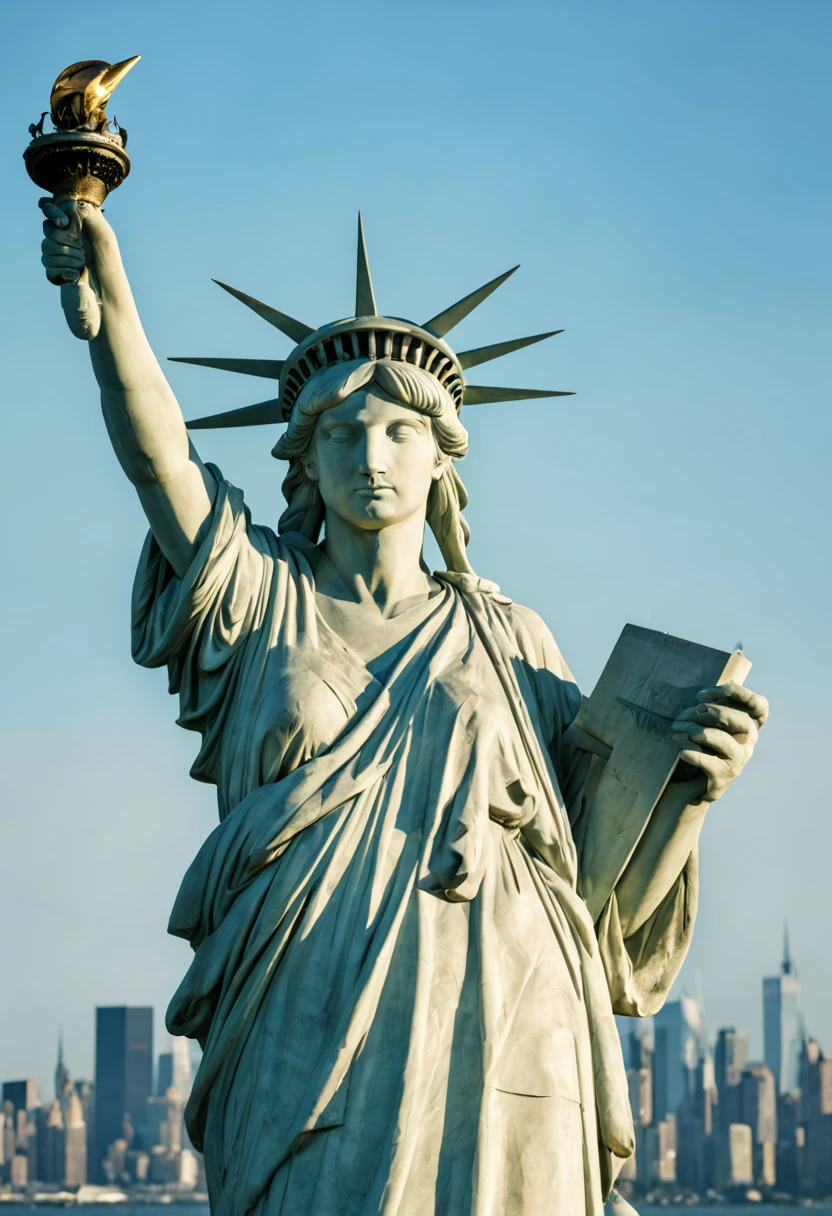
(250, 415)
(365, 300)
(445, 321)
(296, 330)
(479, 394)
(484, 354)
(269, 369)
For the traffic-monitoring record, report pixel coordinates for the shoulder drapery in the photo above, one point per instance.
(641, 962)
(198, 625)
(214, 629)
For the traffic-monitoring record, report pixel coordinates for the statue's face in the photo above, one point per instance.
(374, 460)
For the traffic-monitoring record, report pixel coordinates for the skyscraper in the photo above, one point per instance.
(164, 1073)
(23, 1095)
(123, 1071)
(782, 1024)
(62, 1077)
(51, 1143)
(174, 1068)
(182, 1079)
(730, 1057)
(759, 1111)
(679, 1044)
(75, 1141)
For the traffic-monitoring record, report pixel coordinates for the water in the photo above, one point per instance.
(200, 1209)
(760, 1209)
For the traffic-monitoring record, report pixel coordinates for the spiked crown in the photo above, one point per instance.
(367, 335)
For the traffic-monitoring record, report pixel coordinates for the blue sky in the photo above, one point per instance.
(661, 172)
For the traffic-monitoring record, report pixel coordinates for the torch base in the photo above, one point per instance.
(81, 165)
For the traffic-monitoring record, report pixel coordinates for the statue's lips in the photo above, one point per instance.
(373, 491)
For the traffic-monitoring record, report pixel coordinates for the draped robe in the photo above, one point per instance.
(403, 1003)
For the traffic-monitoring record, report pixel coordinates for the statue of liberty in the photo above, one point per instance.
(402, 985)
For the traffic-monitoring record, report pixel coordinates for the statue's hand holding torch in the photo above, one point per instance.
(73, 233)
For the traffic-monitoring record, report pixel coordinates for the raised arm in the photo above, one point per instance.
(145, 424)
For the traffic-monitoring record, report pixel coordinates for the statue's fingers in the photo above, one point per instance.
(56, 249)
(713, 768)
(62, 236)
(752, 702)
(726, 717)
(62, 264)
(53, 212)
(697, 758)
(719, 741)
(60, 276)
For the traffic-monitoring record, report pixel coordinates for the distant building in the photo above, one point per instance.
(791, 1140)
(640, 1086)
(59, 1134)
(62, 1077)
(123, 1073)
(182, 1080)
(175, 1120)
(164, 1166)
(661, 1152)
(156, 1120)
(730, 1056)
(759, 1111)
(86, 1095)
(816, 1115)
(164, 1073)
(174, 1068)
(75, 1140)
(18, 1141)
(51, 1144)
(19, 1173)
(174, 1071)
(739, 1163)
(188, 1169)
(23, 1095)
(679, 1045)
(782, 1024)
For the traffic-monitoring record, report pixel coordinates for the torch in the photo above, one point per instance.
(82, 159)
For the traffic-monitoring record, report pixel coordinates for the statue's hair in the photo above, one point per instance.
(409, 385)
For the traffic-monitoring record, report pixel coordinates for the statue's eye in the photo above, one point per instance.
(340, 434)
(401, 432)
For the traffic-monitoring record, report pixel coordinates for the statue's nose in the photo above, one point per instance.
(374, 459)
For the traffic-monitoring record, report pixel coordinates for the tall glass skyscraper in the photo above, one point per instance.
(680, 1043)
(23, 1095)
(123, 1071)
(782, 1023)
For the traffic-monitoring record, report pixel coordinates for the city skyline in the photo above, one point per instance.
(41, 1070)
(123, 1127)
(704, 1031)
(710, 1119)
(707, 1114)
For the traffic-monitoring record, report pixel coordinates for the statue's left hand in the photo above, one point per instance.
(720, 732)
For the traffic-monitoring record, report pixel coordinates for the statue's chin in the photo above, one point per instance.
(378, 515)
(374, 510)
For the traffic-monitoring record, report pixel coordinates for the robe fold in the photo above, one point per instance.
(403, 1003)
